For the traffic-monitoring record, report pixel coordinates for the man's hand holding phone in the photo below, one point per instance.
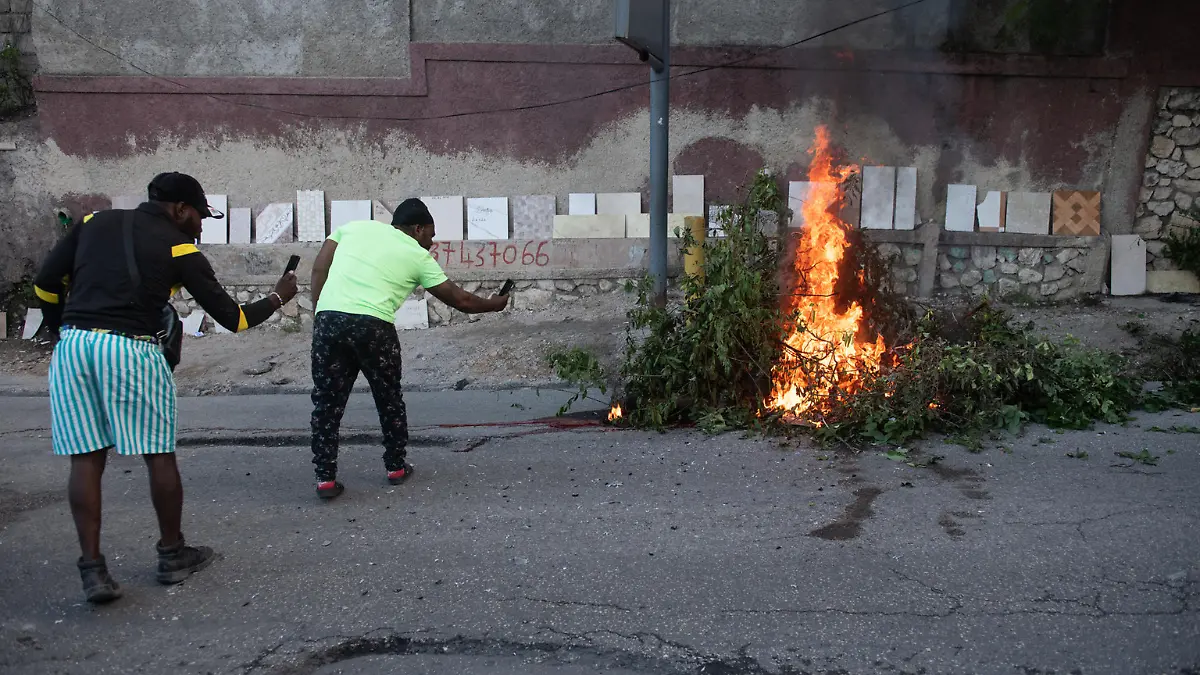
(286, 287)
(501, 298)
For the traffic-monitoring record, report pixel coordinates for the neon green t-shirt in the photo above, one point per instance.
(374, 270)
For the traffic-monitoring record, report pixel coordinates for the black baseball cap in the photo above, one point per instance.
(410, 213)
(180, 187)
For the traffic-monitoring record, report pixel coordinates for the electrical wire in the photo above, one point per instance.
(472, 113)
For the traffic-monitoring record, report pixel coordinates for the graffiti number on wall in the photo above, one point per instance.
(485, 254)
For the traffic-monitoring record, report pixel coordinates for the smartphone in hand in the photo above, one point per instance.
(293, 263)
(507, 287)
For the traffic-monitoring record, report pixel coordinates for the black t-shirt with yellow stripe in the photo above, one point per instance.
(89, 269)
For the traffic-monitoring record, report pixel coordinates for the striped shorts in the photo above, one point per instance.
(107, 391)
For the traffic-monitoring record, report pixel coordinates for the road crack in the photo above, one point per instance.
(568, 603)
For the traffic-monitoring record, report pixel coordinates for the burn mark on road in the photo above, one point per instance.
(951, 522)
(851, 471)
(969, 481)
(849, 525)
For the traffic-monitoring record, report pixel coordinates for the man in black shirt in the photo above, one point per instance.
(110, 385)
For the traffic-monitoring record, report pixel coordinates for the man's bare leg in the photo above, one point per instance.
(83, 492)
(176, 560)
(166, 492)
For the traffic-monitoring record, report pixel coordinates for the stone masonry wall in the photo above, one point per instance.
(14, 28)
(527, 296)
(905, 262)
(1041, 273)
(1171, 185)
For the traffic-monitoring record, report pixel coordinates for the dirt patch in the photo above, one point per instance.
(1106, 326)
(13, 504)
(495, 350)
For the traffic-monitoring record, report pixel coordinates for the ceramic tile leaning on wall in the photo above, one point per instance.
(687, 194)
(310, 215)
(960, 208)
(878, 197)
(589, 227)
(487, 218)
(618, 203)
(1028, 213)
(274, 225)
(1128, 265)
(906, 199)
(448, 219)
(1076, 213)
(33, 322)
(581, 204)
(638, 226)
(413, 314)
(381, 212)
(717, 213)
(533, 216)
(348, 211)
(992, 212)
(216, 230)
(799, 193)
(193, 322)
(239, 226)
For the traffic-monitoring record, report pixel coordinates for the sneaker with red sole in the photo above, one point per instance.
(400, 475)
(329, 489)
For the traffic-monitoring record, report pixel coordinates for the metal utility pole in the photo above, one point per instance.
(645, 26)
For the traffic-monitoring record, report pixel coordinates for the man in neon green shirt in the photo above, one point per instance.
(365, 270)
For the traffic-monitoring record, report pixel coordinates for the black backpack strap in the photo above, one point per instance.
(130, 257)
(169, 320)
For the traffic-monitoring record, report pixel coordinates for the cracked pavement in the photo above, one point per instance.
(522, 547)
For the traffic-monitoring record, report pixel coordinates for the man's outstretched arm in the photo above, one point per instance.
(452, 294)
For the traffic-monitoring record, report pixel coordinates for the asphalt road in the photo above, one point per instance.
(522, 548)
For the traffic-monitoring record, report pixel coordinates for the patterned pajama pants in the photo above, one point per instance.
(343, 345)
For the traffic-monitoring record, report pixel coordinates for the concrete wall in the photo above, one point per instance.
(367, 38)
(694, 22)
(22, 193)
(225, 37)
(378, 99)
(27, 226)
(1018, 124)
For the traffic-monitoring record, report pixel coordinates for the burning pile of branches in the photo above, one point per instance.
(831, 350)
(807, 332)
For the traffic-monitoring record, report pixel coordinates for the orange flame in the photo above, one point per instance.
(615, 413)
(829, 351)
